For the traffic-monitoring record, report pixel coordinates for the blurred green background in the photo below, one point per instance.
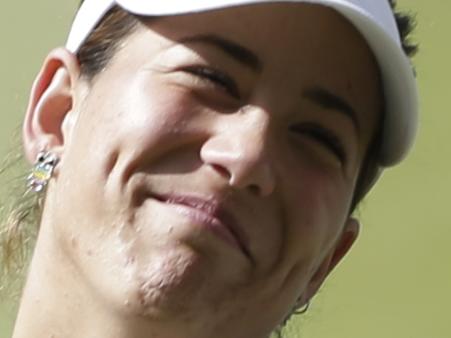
(397, 280)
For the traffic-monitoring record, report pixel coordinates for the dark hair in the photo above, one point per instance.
(406, 24)
(103, 42)
(370, 169)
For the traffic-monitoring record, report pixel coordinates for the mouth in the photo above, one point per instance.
(211, 214)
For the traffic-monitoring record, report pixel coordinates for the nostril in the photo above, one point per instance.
(221, 170)
(254, 189)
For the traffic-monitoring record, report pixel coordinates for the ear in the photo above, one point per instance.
(335, 255)
(48, 120)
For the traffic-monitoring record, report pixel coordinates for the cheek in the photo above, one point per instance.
(142, 121)
(110, 137)
(151, 117)
(317, 210)
(107, 137)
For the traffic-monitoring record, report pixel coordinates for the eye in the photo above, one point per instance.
(216, 77)
(324, 137)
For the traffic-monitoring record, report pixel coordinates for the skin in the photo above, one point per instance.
(111, 260)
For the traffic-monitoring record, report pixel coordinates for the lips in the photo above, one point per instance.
(212, 212)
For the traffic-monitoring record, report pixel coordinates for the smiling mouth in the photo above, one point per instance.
(210, 214)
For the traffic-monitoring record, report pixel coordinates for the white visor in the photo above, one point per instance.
(374, 19)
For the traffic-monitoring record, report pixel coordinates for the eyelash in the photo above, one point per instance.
(216, 77)
(325, 137)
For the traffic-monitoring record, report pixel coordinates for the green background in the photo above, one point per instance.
(397, 280)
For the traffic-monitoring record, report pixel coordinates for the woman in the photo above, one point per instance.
(201, 161)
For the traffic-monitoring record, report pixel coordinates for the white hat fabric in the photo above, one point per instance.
(374, 19)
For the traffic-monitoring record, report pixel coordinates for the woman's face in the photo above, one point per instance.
(207, 172)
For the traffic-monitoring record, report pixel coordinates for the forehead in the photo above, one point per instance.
(308, 44)
(279, 31)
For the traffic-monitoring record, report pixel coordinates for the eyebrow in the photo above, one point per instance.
(239, 53)
(328, 100)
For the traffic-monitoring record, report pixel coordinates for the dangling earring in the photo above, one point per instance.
(300, 310)
(42, 171)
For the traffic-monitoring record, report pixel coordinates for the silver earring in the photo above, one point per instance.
(42, 171)
(300, 310)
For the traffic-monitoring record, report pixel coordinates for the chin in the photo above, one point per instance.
(165, 284)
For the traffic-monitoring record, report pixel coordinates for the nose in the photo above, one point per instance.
(239, 152)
